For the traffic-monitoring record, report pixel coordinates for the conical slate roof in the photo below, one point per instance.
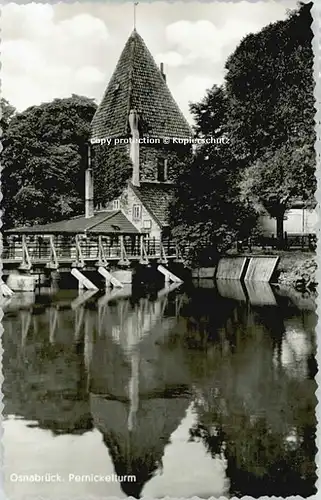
(138, 452)
(137, 83)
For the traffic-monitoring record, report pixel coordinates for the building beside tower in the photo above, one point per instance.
(139, 115)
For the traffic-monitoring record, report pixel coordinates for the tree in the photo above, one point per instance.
(269, 86)
(207, 214)
(44, 159)
(278, 179)
(211, 113)
(7, 112)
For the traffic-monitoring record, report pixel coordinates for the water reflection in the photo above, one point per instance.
(206, 391)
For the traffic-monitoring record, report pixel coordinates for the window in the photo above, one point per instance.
(147, 225)
(116, 204)
(161, 170)
(137, 212)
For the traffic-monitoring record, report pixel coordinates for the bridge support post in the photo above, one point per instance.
(110, 279)
(79, 256)
(83, 281)
(123, 256)
(102, 261)
(25, 325)
(125, 274)
(168, 275)
(5, 290)
(143, 253)
(163, 257)
(53, 264)
(26, 261)
(54, 279)
(53, 323)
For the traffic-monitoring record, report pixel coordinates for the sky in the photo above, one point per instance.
(51, 51)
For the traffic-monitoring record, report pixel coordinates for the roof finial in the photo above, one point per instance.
(135, 5)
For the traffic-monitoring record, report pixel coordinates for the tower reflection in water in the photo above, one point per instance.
(242, 360)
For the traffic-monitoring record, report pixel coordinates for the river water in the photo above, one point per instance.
(202, 390)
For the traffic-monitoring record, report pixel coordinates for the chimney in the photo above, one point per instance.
(89, 188)
(134, 145)
(162, 70)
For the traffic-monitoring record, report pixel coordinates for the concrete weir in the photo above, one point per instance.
(231, 268)
(261, 268)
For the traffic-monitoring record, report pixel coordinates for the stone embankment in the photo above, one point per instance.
(298, 270)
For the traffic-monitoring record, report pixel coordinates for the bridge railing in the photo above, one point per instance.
(12, 252)
(291, 241)
(170, 248)
(71, 248)
(153, 247)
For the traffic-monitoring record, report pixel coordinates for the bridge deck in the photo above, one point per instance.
(54, 251)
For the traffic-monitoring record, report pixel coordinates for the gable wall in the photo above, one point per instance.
(127, 200)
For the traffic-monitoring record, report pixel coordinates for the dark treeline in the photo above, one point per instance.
(265, 110)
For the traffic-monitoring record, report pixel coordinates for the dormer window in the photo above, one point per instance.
(162, 170)
(137, 212)
(116, 204)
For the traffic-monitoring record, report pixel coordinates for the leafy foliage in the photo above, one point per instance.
(265, 111)
(269, 85)
(44, 159)
(211, 113)
(290, 170)
(207, 213)
(210, 217)
(7, 111)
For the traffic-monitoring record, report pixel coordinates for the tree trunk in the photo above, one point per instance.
(280, 228)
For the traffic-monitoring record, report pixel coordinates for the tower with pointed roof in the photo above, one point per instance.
(139, 110)
(139, 387)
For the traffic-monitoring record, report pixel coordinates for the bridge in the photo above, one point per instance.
(53, 251)
(105, 240)
(107, 236)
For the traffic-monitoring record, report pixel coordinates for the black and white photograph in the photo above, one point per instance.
(159, 249)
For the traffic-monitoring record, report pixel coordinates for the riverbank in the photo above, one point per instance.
(297, 269)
